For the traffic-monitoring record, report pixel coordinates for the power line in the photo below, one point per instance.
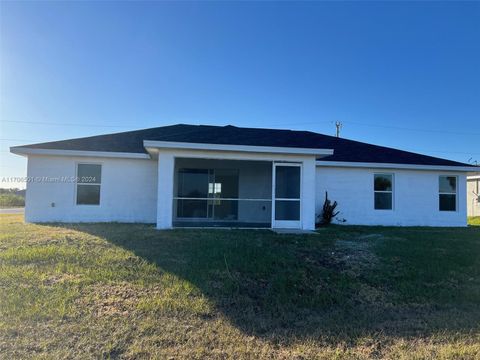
(282, 124)
(412, 129)
(304, 123)
(443, 152)
(386, 126)
(67, 124)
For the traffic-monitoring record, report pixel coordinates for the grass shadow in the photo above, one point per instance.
(344, 284)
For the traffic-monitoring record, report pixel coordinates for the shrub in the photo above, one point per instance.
(328, 212)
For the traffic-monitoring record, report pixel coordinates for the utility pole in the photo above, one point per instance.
(338, 124)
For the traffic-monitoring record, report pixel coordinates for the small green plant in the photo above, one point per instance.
(328, 212)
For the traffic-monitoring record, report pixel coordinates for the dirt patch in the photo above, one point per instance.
(356, 255)
(112, 299)
(59, 279)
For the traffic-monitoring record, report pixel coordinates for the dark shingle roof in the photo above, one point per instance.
(344, 150)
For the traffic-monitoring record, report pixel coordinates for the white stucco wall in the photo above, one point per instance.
(130, 188)
(308, 194)
(415, 197)
(166, 169)
(473, 197)
(128, 191)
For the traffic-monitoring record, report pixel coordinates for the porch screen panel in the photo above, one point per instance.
(287, 182)
(287, 210)
(193, 187)
(222, 195)
(225, 186)
(287, 193)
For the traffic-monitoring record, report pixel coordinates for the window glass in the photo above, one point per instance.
(447, 184)
(89, 177)
(383, 182)
(383, 201)
(447, 202)
(88, 194)
(89, 174)
(383, 191)
(447, 197)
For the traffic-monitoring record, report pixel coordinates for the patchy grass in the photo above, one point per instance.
(474, 220)
(129, 291)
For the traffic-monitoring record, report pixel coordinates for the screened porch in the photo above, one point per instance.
(222, 193)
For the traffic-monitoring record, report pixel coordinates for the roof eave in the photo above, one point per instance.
(26, 151)
(374, 165)
(153, 145)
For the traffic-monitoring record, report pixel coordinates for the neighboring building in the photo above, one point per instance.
(473, 195)
(186, 175)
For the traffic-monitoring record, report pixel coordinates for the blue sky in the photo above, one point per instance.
(398, 74)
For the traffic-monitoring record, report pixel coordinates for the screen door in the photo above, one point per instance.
(287, 195)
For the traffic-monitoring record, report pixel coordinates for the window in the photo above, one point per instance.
(383, 188)
(447, 193)
(89, 177)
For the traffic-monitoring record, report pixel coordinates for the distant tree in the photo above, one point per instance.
(9, 199)
(15, 191)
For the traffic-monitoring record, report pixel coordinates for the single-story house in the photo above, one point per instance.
(199, 176)
(473, 195)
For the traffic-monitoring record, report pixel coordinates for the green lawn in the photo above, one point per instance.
(130, 291)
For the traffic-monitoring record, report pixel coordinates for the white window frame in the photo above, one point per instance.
(77, 183)
(448, 193)
(392, 192)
